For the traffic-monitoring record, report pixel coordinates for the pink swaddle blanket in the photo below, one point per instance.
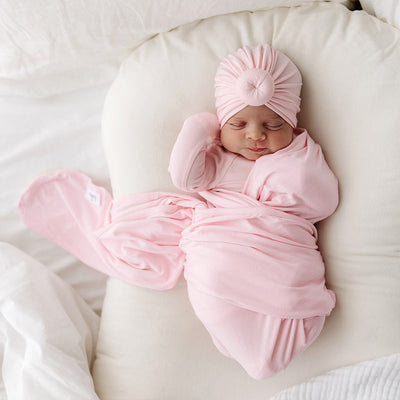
(134, 238)
(255, 276)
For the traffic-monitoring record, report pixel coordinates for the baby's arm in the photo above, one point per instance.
(196, 154)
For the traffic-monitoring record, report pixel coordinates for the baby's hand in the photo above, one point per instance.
(192, 162)
(205, 124)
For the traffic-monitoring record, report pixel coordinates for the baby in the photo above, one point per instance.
(257, 99)
(255, 277)
(252, 156)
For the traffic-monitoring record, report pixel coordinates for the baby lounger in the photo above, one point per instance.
(151, 345)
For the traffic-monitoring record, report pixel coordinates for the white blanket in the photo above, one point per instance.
(47, 333)
(370, 380)
(56, 46)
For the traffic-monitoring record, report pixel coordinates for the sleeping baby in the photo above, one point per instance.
(255, 277)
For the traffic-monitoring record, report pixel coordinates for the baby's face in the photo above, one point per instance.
(256, 131)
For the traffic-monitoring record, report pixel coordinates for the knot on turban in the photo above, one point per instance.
(254, 76)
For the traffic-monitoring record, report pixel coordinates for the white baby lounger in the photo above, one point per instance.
(151, 345)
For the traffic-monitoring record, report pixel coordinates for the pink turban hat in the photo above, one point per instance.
(254, 76)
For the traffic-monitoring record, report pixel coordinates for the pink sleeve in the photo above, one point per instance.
(197, 154)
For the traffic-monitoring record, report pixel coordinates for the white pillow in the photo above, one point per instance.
(53, 46)
(47, 333)
(151, 344)
(386, 10)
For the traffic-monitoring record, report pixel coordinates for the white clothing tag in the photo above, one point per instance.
(93, 197)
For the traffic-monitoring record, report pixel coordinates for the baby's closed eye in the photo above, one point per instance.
(273, 127)
(237, 124)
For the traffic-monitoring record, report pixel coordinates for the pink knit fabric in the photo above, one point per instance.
(254, 76)
(134, 238)
(254, 274)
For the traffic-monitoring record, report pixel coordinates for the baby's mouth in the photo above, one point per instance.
(257, 149)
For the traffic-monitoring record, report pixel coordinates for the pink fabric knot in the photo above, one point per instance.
(255, 86)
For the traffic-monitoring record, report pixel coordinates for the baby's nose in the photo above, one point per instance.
(255, 133)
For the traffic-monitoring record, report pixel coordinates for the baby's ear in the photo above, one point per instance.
(206, 121)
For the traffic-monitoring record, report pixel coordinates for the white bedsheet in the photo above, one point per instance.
(37, 135)
(371, 380)
(47, 333)
(54, 46)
